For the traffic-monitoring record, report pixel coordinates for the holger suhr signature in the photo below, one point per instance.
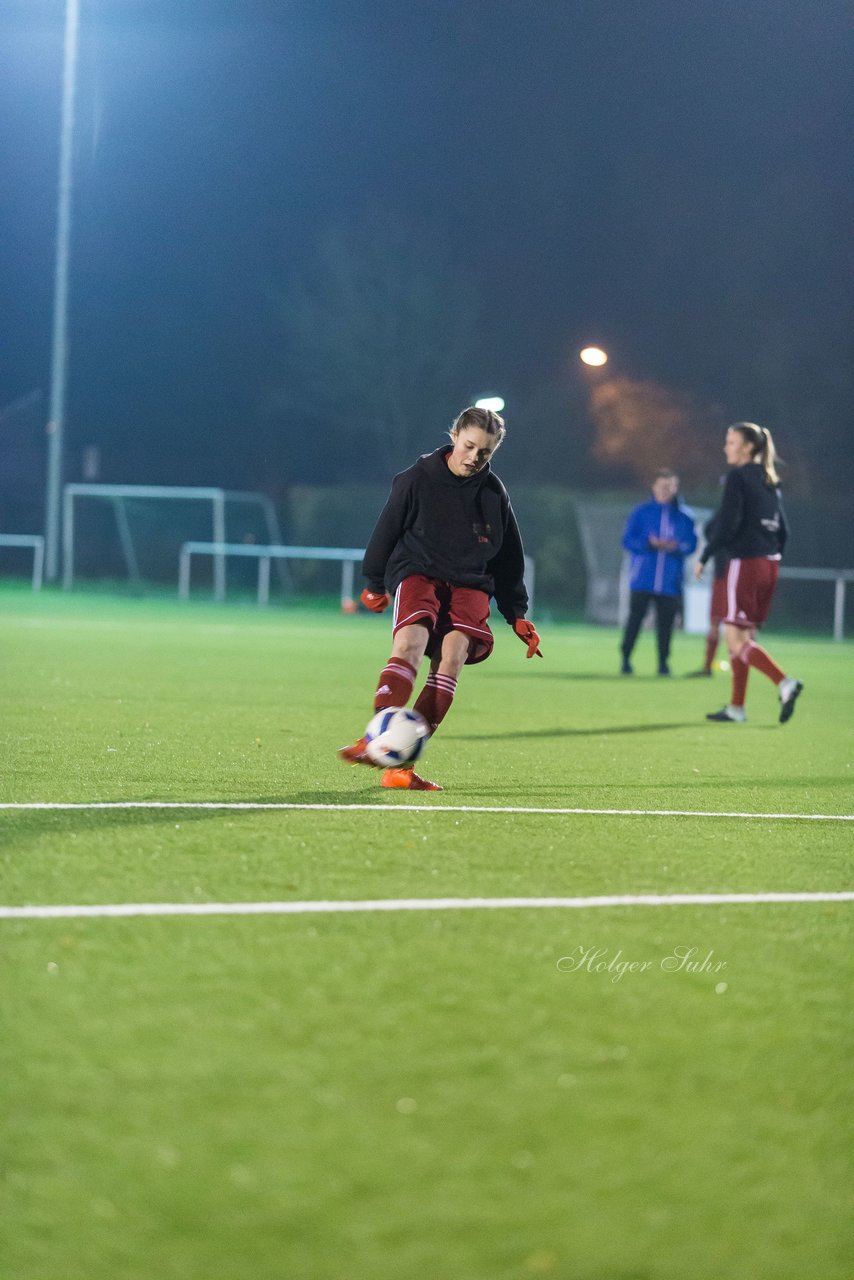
(681, 959)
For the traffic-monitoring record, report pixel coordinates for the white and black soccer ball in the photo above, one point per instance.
(396, 736)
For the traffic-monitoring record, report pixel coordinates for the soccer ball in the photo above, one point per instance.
(396, 736)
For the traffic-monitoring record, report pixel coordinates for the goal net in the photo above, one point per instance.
(136, 531)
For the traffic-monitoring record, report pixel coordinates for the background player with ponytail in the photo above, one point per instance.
(751, 529)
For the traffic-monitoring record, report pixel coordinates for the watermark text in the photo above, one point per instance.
(615, 965)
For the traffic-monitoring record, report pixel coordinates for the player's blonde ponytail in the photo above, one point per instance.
(769, 459)
(762, 444)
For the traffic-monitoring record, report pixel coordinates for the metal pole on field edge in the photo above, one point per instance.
(67, 538)
(184, 574)
(56, 414)
(530, 582)
(347, 573)
(264, 580)
(839, 609)
(219, 537)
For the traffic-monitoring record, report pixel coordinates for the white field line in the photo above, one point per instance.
(263, 806)
(406, 904)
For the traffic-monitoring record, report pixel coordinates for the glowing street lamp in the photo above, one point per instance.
(493, 403)
(593, 356)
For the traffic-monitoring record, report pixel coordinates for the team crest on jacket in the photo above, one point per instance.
(482, 532)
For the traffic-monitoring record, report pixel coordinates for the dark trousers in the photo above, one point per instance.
(665, 616)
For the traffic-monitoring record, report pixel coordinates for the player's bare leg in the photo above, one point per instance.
(410, 643)
(452, 657)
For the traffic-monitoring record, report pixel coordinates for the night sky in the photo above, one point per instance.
(670, 179)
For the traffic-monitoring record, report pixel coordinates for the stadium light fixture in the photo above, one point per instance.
(594, 356)
(493, 403)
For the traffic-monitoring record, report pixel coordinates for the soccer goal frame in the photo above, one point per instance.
(116, 495)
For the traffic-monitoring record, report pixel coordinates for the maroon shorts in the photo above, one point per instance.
(718, 609)
(444, 607)
(749, 590)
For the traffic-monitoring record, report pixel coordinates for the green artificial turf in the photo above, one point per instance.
(415, 1094)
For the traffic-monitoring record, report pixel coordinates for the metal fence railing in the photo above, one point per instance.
(348, 556)
(840, 577)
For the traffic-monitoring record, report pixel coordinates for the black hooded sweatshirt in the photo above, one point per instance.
(751, 521)
(457, 529)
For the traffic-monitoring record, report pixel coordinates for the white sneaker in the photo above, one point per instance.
(789, 690)
(736, 714)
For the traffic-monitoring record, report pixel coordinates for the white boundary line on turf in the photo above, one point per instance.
(406, 904)
(262, 806)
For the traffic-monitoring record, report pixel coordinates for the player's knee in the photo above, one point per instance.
(455, 651)
(738, 651)
(410, 643)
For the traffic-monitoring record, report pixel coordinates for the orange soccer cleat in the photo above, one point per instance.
(357, 754)
(407, 779)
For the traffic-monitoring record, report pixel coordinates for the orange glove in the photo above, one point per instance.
(376, 601)
(527, 633)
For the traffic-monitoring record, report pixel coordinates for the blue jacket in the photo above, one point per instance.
(652, 570)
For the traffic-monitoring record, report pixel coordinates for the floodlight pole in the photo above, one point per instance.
(58, 366)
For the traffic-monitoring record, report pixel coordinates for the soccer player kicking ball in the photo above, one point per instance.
(751, 529)
(445, 542)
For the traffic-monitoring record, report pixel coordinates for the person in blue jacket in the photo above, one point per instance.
(658, 536)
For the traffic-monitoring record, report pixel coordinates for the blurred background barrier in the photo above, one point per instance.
(347, 557)
(33, 542)
(839, 578)
(122, 535)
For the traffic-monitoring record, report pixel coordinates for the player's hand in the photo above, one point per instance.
(698, 570)
(376, 601)
(527, 633)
